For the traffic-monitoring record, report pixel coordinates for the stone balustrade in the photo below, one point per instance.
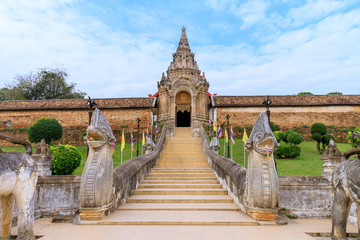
(128, 175)
(230, 174)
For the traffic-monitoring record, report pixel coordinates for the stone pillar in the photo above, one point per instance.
(43, 157)
(149, 146)
(215, 145)
(331, 158)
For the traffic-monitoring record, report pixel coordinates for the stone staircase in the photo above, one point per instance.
(180, 190)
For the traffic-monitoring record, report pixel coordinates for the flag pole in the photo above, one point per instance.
(244, 156)
(224, 145)
(232, 151)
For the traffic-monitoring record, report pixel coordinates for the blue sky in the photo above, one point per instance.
(250, 47)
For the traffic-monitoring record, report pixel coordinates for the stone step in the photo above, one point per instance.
(180, 206)
(181, 186)
(173, 191)
(180, 182)
(180, 178)
(181, 174)
(180, 199)
(211, 218)
(181, 171)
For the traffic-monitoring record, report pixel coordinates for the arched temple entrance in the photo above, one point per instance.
(183, 109)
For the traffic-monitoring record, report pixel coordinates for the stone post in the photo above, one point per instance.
(43, 157)
(331, 158)
(149, 146)
(215, 145)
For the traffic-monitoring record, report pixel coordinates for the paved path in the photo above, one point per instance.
(295, 230)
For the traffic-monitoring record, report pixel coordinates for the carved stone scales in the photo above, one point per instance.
(97, 179)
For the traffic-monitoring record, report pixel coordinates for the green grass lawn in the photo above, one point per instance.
(307, 164)
(83, 149)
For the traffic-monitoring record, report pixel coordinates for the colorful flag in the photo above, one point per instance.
(122, 141)
(226, 136)
(156, 129)
(132, 142)
(245, 137)
(147, 134)
(232, 135)
(210, 122)
(214, 123)
(143, 140)
(219, 132)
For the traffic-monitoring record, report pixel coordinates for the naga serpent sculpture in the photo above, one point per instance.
(262, 181)
(96, 188)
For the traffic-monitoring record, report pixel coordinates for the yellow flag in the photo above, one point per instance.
(226, 136)
(214, 124)
(122, 141)
(143, 140)
(245, 137)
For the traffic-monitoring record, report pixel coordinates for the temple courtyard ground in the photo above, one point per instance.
(295, 229)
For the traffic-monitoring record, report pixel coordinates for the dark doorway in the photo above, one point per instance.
(183, 119)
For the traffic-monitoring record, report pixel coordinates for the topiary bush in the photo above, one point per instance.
(286, 134)
(45, 128)
(294, 138)
(66, 159)
(274, 127)
(279, 135)
(318, 133)
(287, 151)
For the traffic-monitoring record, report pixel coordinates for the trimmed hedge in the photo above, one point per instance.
(66, 159)
(287, 151)
(45, 128)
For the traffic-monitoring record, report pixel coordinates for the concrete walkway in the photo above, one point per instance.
(295, 230)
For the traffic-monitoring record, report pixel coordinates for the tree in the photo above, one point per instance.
(305, 93)
(46, 84)
(319, 134)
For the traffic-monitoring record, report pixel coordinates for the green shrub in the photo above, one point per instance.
(318, 133)
(279, 135)
(294, 138)
(355, 142)
(334, 93)
(318, 128)
(286, 134)
(274, 127)
(316, 137)
(66, 159)
(45, 128)
(287, 151)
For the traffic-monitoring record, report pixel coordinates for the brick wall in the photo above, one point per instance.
(75, 121)
(288, 117)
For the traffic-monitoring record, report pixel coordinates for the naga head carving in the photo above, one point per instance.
(262, 139)
(99, 131)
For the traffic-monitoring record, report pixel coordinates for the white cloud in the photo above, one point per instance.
(252, 12)
(103, 63)
(314, 10)
(320, 58)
